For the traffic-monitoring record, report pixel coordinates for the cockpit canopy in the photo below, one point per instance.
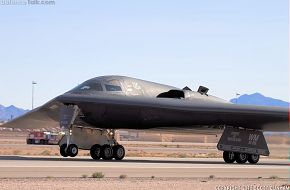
(91, 87)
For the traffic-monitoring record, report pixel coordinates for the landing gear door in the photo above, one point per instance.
(67, 116)
(243, 141)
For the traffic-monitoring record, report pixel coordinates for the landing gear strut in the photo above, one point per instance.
(68, 115)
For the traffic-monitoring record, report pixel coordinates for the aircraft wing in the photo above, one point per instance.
(148, 113)
(44, 117)
(145, 113)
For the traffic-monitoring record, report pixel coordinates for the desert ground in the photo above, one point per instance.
(141, 183)
(143, 145)
(152, 162)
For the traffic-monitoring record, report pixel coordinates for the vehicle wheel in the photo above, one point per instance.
(107, 152)
(62, 150)
(229, 157)
(119, 152)
(41, 141)
(32, 141)
(28, 141)
(95, 151)
(241, 158)
(253, 158)
(72, 150)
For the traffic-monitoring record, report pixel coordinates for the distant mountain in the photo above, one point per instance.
(6, 113)
(259, 99)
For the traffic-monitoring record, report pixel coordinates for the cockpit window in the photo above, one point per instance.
(85, 88)
(92, 86)
(113, 87)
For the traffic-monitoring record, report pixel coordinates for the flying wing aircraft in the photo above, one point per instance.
(90, 113)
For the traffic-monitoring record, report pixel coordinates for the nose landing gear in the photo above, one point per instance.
(72, 150)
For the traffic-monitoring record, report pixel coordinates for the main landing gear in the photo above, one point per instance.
(101, 143)
(107, 152)
(241, 158)
(242, 145)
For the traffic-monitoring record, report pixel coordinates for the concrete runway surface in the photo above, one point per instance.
(35, 166)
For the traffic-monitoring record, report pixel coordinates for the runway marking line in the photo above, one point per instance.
(149, 167)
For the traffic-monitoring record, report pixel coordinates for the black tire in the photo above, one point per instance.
(32, 141)
(95, 151)
(229, 157)
(107, 152)
(41, 141)
(62, 150)
(28, 141)
(241, 158)
(119, 152)
(72, 150)
(253, 158)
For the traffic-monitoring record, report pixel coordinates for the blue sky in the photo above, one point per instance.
(228, 46)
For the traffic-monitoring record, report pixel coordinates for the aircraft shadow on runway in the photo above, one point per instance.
(127, 160)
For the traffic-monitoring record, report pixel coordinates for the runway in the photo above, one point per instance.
(35, 166)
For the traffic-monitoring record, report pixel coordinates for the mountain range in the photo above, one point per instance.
(10, 112)
(259, 99)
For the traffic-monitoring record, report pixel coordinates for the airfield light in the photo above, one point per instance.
(237, 94)
(32, 98)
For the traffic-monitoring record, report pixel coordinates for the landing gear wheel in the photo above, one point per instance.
(107, 152)
(62, 150)
(72, 150)
(253, 158)
(119, 152)
(229, 157)
(241, 158)
(95, 151)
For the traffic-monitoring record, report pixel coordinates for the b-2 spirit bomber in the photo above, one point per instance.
(91, 113)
